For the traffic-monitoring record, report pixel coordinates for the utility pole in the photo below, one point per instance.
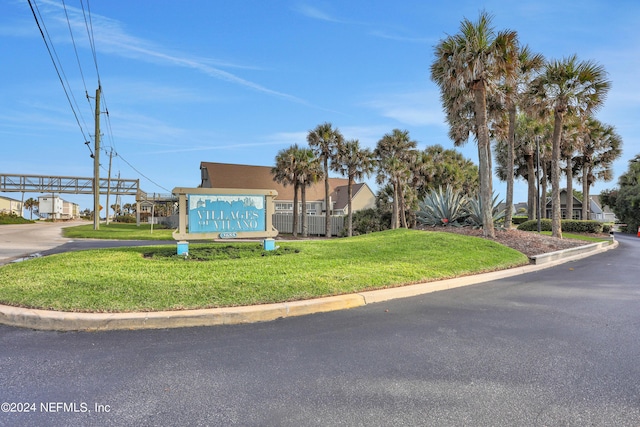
(96, 165)
(109, 184)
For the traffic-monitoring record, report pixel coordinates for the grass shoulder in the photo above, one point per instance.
(119, 231)
(579, 236)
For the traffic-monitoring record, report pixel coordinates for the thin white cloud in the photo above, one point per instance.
(110, 37)
(410, 108)
(386, 35)
(315, 13)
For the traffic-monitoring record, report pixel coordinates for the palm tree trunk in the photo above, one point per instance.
(484, 159)
(327, 218)
(556, 214)
(295, 209)
(510, 156)
(569, 172)
(303, 196)
(585, 192)
(401, 206)
(532, 202)
(544, 182)
(394, 207)
(349, 211)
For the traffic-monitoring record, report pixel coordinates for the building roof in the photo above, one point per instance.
(9, 198)
(227, 175)
(340, 196)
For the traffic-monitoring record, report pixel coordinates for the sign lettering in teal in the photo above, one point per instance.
(228, 213)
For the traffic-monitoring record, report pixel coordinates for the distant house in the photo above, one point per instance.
(596, 211)
(227, 175)
(520, 208)
(53, 207)
(599, 212)
(10, 206)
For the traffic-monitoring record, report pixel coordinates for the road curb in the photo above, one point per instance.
(70, 321)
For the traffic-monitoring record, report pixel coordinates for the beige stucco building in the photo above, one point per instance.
(10, 206)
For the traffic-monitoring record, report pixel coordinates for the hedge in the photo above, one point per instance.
(568, 225)
(516, 220)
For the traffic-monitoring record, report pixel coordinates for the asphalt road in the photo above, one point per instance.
(559, 347)
(19, 241)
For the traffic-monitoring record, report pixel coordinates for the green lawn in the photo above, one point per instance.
(153, 278)
(577, 236)
(117, 231)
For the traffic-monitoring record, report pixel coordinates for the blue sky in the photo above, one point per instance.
(236, 81)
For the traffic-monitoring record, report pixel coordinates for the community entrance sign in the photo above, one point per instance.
(223, 213)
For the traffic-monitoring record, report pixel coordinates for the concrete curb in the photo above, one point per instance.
(69, 321)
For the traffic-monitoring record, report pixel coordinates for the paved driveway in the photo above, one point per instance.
(20, 240)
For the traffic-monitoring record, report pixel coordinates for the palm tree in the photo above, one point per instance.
(517, 79)
(567, 86)
(325, 140)
(285, 172)
(355, 163)
(31, 204)
(436, 167)
(601, 147)
(468, 68)
(309, 171)
(394, 154)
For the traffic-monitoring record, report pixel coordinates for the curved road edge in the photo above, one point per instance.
(73, 321)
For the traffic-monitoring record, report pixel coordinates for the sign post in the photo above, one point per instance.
(224, 213)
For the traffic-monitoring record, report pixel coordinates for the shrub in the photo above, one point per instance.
(516, 220)
(475, 211)
(568, 225)
(128, 219)
(368, 221)
(11, 218)
(545, 225)
(576, 226)
(442, 207)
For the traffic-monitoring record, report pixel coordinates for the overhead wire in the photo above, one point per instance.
(67, 88)
(53, 60)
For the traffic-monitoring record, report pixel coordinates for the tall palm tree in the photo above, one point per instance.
(602, 145)
(309, 171)
(325, 141)
(285, 172)
(517, 79)
(567, 86)
(355, 163)
(468, 68)
(394, 154)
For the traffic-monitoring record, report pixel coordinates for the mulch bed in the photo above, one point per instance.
(527, 242)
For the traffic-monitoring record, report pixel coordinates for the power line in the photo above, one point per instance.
(141, 174)
(53, 60)
(73, 41)
(89, 27)
(67, 88)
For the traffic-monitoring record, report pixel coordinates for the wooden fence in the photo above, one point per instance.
(315, 223)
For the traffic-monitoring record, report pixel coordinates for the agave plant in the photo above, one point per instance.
(475, 211)
(442, 208)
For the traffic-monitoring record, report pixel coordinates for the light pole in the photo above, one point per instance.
(539, 213)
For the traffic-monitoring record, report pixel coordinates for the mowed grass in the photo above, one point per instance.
(116, 231)
(584, 237)
(152, 278)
